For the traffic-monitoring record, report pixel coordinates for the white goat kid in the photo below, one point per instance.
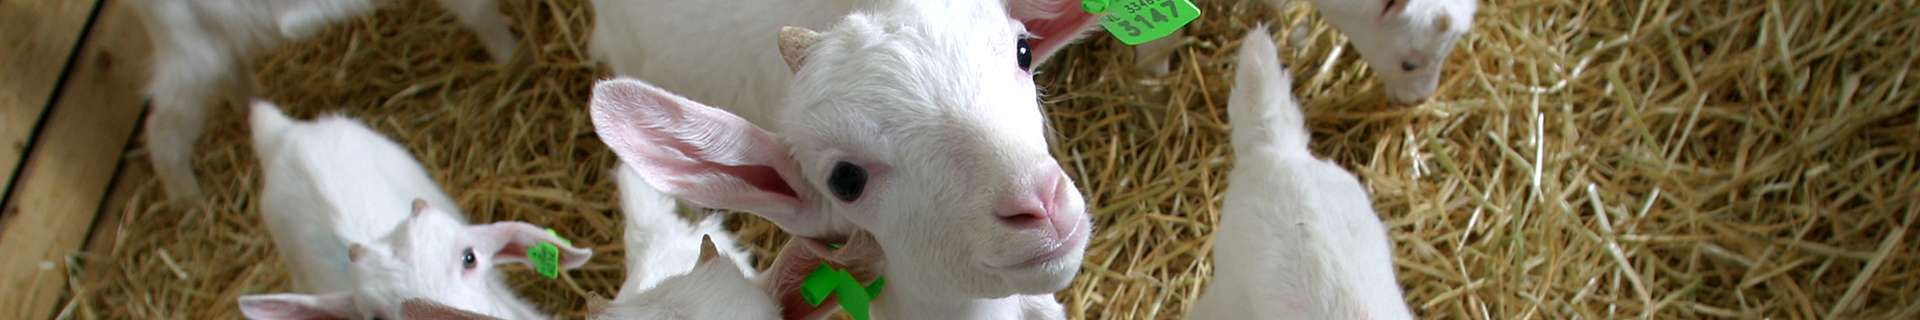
(334, 200)
(1405, 41)
(722, 55)
(713, 289)
(659, 243)
(202, 47)
(908, 126)
(667, 277)
(1298, 237)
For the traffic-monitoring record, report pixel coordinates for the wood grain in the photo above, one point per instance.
(40, 36)
(73, 164)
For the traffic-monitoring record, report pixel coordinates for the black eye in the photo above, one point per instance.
(1408, 65)
(1026, 54)
(376, 318)
(466, 258)
(848, 180)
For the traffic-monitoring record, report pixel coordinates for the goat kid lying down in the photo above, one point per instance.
(335, 200)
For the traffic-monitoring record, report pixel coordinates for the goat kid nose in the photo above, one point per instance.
(1037, 201)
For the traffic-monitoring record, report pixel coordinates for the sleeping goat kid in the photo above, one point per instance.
(1298, 238)
(335, 199)
(1404, 41)
(202, 46)
(908, 131)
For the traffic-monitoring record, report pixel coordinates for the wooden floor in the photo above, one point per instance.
(71, 76)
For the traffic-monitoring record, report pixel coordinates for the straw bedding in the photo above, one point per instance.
(1591, 160)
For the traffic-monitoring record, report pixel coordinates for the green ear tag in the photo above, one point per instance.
(1139, 21)
(563, 240)
(546, 257)
(853, 298)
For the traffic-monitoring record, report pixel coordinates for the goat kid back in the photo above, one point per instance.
(1298, 237)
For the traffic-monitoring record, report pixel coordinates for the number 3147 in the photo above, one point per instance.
(1153, 15)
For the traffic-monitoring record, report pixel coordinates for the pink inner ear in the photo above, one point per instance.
(1057, 23)
(418, 309)
(516, 237)
(297, 306)
(761, 177)
(702, 154)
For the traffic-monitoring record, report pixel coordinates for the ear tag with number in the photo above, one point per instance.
(1139, 21)
(546, 257)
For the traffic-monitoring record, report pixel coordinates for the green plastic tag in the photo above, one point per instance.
(546, 257)
(853, 298)
(563, 240)
(1139, 21)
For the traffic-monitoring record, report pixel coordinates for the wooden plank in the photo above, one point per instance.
(60, 187)
(133, 176)
(40, 36)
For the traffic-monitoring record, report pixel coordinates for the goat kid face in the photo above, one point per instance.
(431, 257)
(960, 188)
(435, 257)
(915, 124)
(1405, 41)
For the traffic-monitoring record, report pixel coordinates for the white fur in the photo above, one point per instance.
(713, 290)
(659, 243)
(927, 96)
(724, 55)
(1419, 32)
(665, 279)
(1298, 237)
(202, 47)
(333, 183)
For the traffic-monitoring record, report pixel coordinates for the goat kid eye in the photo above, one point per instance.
(847, 181)
(1025, 52)
(1408, 65)
(466, 259)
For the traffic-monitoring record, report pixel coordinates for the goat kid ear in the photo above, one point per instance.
(794, 42)
(421, 309)
(512, 239)
(1442, 24)
(707, 251)
(289, 306)
(704, 155)
(1054, 23)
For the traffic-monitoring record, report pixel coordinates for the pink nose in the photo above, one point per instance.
(1039, 202)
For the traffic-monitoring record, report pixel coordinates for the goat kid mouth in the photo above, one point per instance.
(1064, 245)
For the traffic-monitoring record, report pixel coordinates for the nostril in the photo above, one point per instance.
(1033, 202)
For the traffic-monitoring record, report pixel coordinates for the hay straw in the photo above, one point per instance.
(1601, 159)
